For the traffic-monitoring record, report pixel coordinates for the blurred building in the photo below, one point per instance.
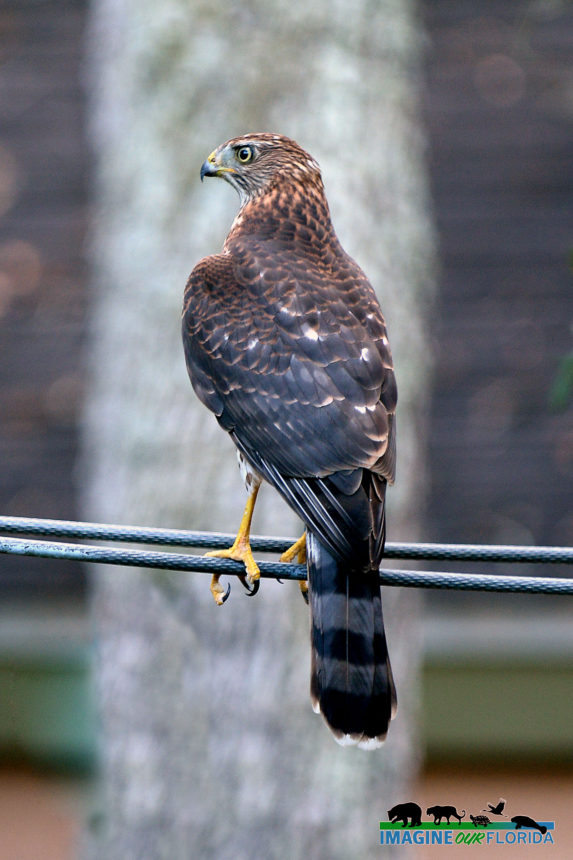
(44, 658)
(499, 112)
(499, 108)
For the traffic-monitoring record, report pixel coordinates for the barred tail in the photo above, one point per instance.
(351, 679)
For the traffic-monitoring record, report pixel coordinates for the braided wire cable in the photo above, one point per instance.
(217, 540)
(176, 561)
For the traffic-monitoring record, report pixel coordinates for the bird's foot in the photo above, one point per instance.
(217, 590)
(298, 551)
(240, 551)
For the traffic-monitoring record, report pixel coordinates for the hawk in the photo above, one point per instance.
(286, 343)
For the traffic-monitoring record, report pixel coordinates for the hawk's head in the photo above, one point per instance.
(256, 162)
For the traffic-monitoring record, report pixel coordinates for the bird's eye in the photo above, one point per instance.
(244, 154)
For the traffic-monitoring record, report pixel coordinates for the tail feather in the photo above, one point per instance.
(351, 679)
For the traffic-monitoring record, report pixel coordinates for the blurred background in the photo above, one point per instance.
(491, 88)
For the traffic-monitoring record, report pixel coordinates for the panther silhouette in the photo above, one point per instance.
(446, 812)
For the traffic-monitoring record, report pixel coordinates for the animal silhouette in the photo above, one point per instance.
(404, 811)
(525, 821)
(498, 808)
(446, 812)
(480, 820)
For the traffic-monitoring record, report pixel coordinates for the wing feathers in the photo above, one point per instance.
(304, 384)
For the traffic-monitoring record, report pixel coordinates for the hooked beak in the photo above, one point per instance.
(213, 167)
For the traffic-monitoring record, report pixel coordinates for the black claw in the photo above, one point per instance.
(280, 582)
(226, 595)
(250, 589)
(304, 596)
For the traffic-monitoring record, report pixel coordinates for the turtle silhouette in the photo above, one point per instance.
(480, 820)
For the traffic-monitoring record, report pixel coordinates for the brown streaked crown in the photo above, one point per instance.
(254, 163)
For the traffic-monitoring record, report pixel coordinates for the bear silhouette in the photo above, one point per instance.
(480, 820)
(525, 821)
(404, 811)
(446, 812)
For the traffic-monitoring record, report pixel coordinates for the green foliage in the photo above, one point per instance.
(562, 389)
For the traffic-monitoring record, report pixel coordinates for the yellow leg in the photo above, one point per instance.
(298, 551)
(240, 551)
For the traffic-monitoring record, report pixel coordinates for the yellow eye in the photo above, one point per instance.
(244, 154)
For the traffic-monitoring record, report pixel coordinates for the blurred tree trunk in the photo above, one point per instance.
(209, 745)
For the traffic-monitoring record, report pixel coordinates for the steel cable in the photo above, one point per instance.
(186, 562)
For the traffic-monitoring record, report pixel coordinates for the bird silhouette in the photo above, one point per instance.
(496, 809)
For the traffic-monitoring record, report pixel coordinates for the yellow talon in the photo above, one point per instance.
(240, 551)
(219, 594)
(298, 551)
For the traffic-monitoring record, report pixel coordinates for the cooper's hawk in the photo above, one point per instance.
(286, 343)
